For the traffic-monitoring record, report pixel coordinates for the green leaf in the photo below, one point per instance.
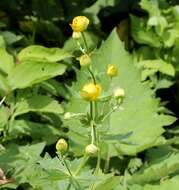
(157, 65)
(4, 115)
(50, 166)
(37, 52)
(2, 42)
(19, 160)
(11, 38)
(162, 162)
(96, 7)
(171, 184)
(37, 103)
(60, 174)
(151, 6)
(56, 88)
(108, 182)
(139, 115)
(4, 88)
(142, 34)
(6, 61)
(29, 73)
(36, 131)
(91, 38)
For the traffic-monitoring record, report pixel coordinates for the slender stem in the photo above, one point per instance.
(91, 110)
(10, 124)
(85, 42)
(92, 75)
(75, 182)
(3, 99)
(83, 162)
(93, 135)
(99, 156)
(110, 112)
(33, 34)
(106, 166)
(96, 109)
(69, 186)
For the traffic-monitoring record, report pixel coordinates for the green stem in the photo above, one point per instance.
(91, 110)
(33, 34)
(92, 75)
(75, 182)
(10, 124)
(3, 99)
(106, 166)
(69, 186)
(93, 133)
(110, 112)
(83, 162)
(96, 109)
(85, 42)
(99, 157)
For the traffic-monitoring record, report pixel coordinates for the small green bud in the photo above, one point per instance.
(76, 35)
(119, 93)
(112, 70)
(61, 146)
(85, 60)
(68, 115)
(91, 150)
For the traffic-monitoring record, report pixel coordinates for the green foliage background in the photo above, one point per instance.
(40, 80)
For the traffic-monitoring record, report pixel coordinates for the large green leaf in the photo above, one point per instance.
(4, 88)
(171, 184)
(139, 114)
(162, 162)
(4, 115)
(6, 61)
(36, 131)
(156, 65)
(37, 103)
(31, 72)
(21, 161)
(142, 34)
(36, 52)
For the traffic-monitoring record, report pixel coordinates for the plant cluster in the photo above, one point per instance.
(87, 116)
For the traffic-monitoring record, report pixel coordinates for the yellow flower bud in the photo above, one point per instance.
(119, 93)
(85, 60)
(112, 70)
(61, 146)
(76, 35)
(79, 23)
(91, 150)
(91, 91)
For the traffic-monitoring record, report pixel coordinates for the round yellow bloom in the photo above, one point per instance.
(112, 70)
(61, 146)
(79, 23)
(91, 91)
(119, 93)
(91, 150)
(85, 60)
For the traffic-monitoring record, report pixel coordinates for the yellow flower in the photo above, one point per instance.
(91, 91)
(61, 146)
(85, 60)
(91, 150)
(112, 70)
(79, 23)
